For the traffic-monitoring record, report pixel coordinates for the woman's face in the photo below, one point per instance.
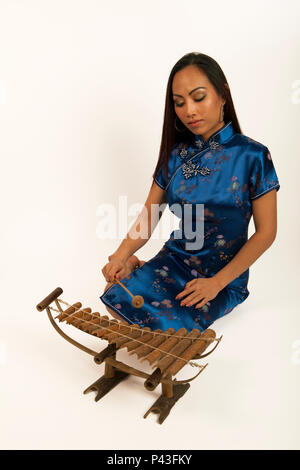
(196, 99)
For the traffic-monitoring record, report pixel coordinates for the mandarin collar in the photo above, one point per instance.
(218, 137)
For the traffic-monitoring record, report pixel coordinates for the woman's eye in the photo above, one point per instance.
(179, 105)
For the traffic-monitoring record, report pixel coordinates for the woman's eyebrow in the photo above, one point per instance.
(175, 94)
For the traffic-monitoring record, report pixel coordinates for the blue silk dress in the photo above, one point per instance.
(222, 175)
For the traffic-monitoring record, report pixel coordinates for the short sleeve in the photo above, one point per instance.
(263, 176)
(163, 175)
(161, 179)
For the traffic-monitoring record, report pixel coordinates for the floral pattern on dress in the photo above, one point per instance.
(241, 169)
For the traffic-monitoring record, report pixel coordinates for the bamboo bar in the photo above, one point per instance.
(177, 350)
(155, 355)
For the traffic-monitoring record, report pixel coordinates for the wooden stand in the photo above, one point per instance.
(184, 346)
(171, 392)
(107, 382)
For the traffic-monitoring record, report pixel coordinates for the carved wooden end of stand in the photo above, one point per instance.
(167, 351)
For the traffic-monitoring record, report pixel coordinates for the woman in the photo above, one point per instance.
(205, 162)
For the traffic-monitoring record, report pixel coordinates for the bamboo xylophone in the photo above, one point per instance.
(166, 351)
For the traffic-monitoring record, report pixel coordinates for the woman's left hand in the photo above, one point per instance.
(200, 291)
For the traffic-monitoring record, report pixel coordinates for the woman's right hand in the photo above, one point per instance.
(116, 268)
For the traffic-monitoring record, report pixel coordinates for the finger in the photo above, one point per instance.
(112, 274)
(114, 279)
(192, 298)
(105, 275)
(117, 271)
(182, 294)
(185, 292)
(188, 284)
(204, 301)
(120, 274)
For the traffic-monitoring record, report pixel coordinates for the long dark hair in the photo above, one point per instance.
(170, 136)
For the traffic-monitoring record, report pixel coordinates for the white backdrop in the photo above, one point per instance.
(82, 90)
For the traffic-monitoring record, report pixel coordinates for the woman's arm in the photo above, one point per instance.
(143, 225)
(265, 220)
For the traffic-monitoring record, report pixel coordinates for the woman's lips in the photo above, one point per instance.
(196, 123)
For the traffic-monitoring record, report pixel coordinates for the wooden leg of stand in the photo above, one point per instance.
(112, 377)
(170, 394)
(167, 389)
(109, 371)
